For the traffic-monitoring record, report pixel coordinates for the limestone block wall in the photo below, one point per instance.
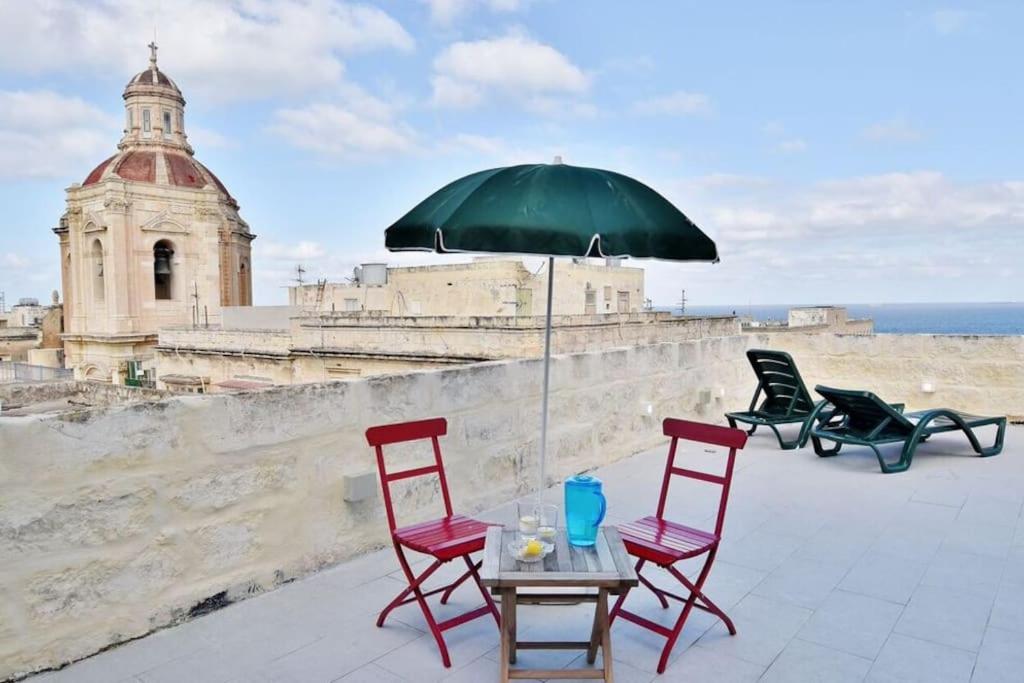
(499, 336)
(15, 342)
(977, 374)
(119, 520)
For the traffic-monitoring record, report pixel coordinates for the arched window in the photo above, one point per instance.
(163, 270)
(98, 280)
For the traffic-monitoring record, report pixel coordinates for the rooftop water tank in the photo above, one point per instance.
(374, 274)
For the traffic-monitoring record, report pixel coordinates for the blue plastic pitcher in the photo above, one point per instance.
(584, 509)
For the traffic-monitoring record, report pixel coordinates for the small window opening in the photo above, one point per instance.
(162, 270)
(98, 282)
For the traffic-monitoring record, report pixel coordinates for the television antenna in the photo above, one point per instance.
(299, 272)
(682, 303)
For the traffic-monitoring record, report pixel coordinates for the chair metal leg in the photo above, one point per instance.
(414, 586)
(695, 598)
(402, 598)
(695, 591)
(658, 593)
(488, 600)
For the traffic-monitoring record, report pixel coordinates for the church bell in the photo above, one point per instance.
(162, 261)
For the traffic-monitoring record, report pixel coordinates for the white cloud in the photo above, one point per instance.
(893, 130)
(948, 21)
(915, 236)
(514, 67)
(891, 205)
(678, 103)
(451, 92)
(791, 146)
(248, 49)
(445, 12)
(341, 131)
(44, 134)
(361, 125)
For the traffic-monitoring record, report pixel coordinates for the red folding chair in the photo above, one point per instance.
(657, 540)
(444, 539)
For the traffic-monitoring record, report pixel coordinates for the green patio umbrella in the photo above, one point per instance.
(550, 210)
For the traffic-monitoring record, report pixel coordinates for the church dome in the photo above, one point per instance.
(159, 166)
(155, 148)
(153, 77)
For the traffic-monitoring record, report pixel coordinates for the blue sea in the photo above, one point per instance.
(990, 318)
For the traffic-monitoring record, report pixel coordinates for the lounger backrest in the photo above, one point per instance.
(778, 378)
(867, 414)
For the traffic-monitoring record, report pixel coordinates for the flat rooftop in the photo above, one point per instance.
(829, 569)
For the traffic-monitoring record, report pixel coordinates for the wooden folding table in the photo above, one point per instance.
(604, 566)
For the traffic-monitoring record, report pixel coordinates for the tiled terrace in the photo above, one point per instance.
(831, 570)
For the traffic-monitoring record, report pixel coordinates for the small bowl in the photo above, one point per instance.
(516, 548)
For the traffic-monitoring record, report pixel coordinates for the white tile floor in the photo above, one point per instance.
(831, 571)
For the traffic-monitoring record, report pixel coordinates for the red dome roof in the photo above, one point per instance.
(154, 166)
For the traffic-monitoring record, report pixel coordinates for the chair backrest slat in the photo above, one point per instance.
(406, 431)
(694, 474)
(699, 432)
(403, 432)
(705, 433)
(408, 474)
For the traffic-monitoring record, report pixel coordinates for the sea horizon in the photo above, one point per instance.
(985, 318)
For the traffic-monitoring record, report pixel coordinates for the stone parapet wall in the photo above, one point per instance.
(501, 337)
(216, 339)
(83, 394)
(117, 521)
(972, 373)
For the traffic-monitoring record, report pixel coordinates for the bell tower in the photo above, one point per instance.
(150, 239)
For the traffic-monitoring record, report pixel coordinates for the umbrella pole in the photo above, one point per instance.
(547, 380)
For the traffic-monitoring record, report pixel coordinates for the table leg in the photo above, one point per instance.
(512, 628)
(507, 608)
(595, 634)
(606, 635)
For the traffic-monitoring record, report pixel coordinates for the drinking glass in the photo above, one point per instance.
(528, 516)
(547, 522)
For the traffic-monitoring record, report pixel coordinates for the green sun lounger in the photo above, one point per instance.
(786, 399)
(862, 419)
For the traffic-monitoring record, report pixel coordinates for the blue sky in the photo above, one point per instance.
(837, 152)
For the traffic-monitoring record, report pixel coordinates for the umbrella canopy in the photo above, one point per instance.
(551, 210)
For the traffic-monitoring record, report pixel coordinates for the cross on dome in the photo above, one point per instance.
(152, 54)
